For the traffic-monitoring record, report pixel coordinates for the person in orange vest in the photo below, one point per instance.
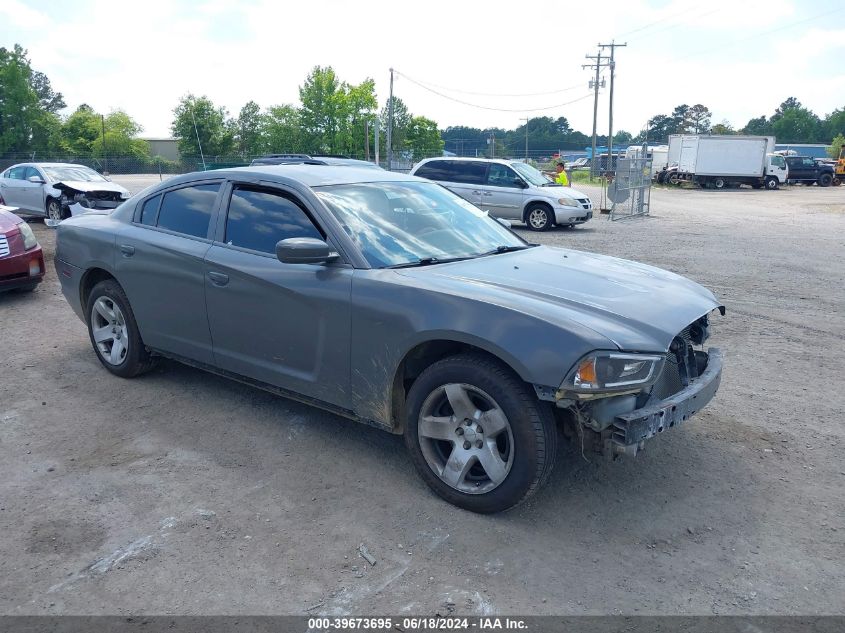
(561, 178)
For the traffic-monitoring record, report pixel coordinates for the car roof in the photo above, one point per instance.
(307, 174)
(473, 159)
(36, 164)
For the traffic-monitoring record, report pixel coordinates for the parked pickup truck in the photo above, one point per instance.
(807, 170)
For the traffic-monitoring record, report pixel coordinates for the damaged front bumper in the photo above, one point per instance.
(630, 430)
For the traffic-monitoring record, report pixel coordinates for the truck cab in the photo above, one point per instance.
(776, 167)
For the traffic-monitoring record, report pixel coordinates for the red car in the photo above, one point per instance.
(21, 259)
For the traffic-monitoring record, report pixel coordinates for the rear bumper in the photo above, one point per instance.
(630, 429)
(70, 278)
(23, 269)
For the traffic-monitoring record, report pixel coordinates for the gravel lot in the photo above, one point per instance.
(184, 493)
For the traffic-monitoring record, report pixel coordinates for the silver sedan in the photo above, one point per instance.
(53, 189)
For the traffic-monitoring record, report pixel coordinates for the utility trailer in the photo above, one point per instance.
(722, 161)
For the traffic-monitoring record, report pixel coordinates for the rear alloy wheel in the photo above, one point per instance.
(114, 332)
(54, 210)
(825, 180)
(771, 183)
(477, 435)
(539, 217)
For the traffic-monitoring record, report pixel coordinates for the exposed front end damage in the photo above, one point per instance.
(79, 198)
(616, 424)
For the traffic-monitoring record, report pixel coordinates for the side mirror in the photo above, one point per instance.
(38, 180)
(505, 223)
(304, 250)
(519, 182)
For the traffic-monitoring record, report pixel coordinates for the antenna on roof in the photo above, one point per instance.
(202, 156)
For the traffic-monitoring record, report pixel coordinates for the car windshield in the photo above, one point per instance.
(532, 175)
(73, 172)
(407, 223)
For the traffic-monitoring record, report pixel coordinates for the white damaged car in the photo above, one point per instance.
(58, 190)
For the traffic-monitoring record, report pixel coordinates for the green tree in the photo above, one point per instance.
(80, 130)
(797, 125)
(699, 118)
(681, 119)
(836, 146)
(660, 126)
(834, 124)
(401, 123)
(322, 111)
(722, 128)
(82, 134)
(423, 138)
(757, 127)
(216, 133)
(282, 130)
(250, 126)
(20, 107)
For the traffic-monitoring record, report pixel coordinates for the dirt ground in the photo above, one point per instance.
(184, 493)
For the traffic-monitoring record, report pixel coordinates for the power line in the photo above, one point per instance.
(481, 107)
(495, 94)
(761, 34)
(685, 12)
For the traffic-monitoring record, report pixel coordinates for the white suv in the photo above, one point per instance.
(509, 189)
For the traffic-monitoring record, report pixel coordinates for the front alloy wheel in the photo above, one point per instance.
(54, 210)
(477, 434)
(539, 218)
(466, 438)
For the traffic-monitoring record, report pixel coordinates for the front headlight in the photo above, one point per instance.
(566, 201)
(125, 195)
(29, 240)
(612, 372)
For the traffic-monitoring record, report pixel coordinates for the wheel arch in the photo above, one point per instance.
(424, 354)
(536, 202)
(91, 278)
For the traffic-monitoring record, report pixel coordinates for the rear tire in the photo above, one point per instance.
(114, 332)
(719, 183)
(539, 217)
(479, 469)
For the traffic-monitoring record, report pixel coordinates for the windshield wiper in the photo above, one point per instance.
(506, 249)
(428, 261)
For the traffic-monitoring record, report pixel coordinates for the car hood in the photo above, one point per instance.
(556, 191)
(86, 186)
(8, 220)
(635, 306)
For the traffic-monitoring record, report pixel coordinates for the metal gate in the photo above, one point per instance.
(630, 191)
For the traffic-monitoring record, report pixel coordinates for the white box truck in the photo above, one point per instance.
(657, 153)
(721, 161)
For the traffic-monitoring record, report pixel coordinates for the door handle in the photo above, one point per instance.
(476, 193)
(488, 193)
(127, 250)
(218, 279)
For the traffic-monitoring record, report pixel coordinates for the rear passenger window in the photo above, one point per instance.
(149, 212)
(470, 173)
(257, 219)
(188, 210)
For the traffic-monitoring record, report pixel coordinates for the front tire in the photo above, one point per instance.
(539, 217)
(54, 210)
(771, 183)
(477, 434)
(825, 180)
(114, 332)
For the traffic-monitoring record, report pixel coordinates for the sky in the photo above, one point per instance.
(739, 58)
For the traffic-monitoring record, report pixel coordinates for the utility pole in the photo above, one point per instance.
(594, 84)
(526, 138)
(378, 125)
(105, 154)
(612, 46)
(367, 140)
(390, 125)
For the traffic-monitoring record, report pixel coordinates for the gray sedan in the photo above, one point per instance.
(58, 190)
(391, 301)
